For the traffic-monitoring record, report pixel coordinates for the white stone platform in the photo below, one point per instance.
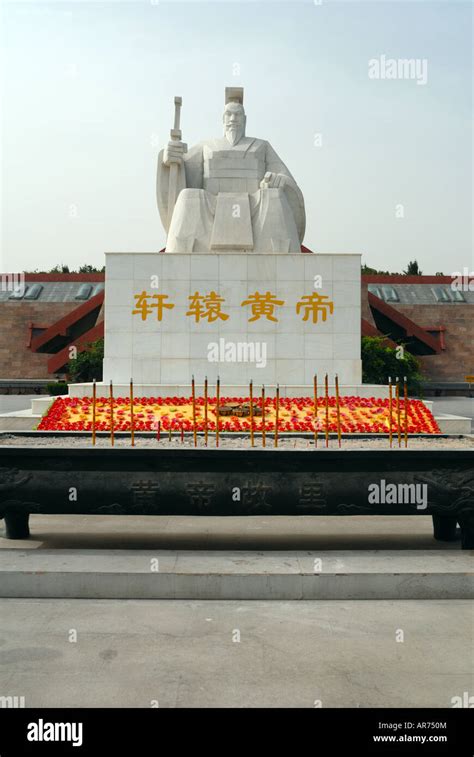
(122, 389)
(236, 575)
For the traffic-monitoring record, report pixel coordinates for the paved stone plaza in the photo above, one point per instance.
(182, 653)
(285, 533)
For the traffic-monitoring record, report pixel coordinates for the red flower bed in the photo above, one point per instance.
(357, 414)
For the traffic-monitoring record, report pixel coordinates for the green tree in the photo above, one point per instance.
(88, 268)
(60, 268)
(88, 364)
(413, 269)
(366, 270)
(379, 361)
(64, 268)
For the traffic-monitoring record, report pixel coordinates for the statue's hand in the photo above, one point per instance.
(174, 152)
(273, 180)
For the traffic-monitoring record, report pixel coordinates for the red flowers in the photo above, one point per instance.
(366, 415)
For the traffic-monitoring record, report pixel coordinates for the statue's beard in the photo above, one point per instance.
(233, 134)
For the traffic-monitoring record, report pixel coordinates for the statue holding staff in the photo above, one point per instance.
(230, 194)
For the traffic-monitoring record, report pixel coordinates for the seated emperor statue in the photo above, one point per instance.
(231, 194)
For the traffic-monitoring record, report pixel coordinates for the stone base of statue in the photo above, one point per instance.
(273, 318)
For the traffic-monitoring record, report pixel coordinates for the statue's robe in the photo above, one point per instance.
(220, 206)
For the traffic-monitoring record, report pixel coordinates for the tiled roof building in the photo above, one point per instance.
(426, 313)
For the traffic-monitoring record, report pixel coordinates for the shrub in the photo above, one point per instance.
(57, 387)
(380, 361)
(88, 364)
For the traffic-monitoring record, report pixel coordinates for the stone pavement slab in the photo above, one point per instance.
(128, 653)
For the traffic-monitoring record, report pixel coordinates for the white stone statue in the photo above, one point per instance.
(231, 194)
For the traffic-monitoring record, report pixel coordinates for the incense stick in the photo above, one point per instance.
(94, 399)
(390, 410)
(315, 390)
(218, 394)
(112, 438)
(252, 441)
(338, 412)
(277, 413)
(193, 391)
(405, 393)
(397, 394)
(205, 411)
(326, 400)
(132, 428)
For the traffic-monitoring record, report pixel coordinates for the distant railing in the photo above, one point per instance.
(26, 386)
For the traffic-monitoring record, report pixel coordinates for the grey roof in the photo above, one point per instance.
(56, 291)
(419, 294)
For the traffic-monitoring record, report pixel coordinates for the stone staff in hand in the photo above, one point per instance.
(173, 157)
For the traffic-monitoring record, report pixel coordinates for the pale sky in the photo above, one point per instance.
(87, 91)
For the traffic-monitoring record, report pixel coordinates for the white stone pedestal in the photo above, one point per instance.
(314, 327)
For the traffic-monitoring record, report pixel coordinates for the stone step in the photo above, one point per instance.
(19, 420)
(26, 420)
(453, 424)
(236, 575)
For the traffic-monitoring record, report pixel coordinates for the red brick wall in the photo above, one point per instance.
(16, 359)
(365, 307)
(452, 364)
(457, 360)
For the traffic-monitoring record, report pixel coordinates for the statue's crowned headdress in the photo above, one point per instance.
(234, 95)
(234, 114)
